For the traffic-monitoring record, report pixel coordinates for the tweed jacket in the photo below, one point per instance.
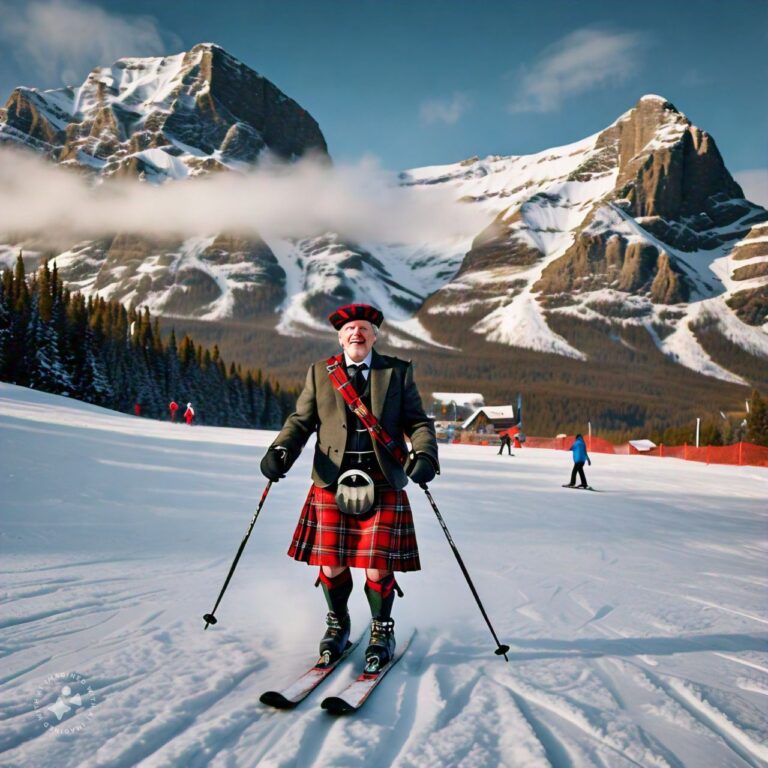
(395, 401)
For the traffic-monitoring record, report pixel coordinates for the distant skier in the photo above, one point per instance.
(137, 409)
(189, 414)
(173, 406)
(505, 441)
(579, 451)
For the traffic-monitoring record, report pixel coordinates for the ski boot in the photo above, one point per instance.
(381, 647)
(336, 638)
(381, 596)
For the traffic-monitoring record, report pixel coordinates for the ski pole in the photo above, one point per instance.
(209, 617)
(502, 649)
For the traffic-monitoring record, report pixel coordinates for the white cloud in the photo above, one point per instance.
(447, 111)
(67, 38)
(302, 199)
(581, 61)
(754, 182)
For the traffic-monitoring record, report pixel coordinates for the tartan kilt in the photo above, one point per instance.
(385, 539)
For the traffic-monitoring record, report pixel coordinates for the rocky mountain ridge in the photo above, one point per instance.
(162, 117)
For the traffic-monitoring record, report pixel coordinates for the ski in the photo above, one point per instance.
(297, 691)
(578, 488)
(357, 692)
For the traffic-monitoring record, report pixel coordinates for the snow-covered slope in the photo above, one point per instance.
(637, 617)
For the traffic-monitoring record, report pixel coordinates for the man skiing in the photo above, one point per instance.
(173, 406)
(189, 414)
(579, 451)
(505, 441)
(357, 514)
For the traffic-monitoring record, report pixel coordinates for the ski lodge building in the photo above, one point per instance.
(490, 419)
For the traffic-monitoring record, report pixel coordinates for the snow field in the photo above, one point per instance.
(636, 616)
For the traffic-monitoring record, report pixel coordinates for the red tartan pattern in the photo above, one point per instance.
(355, 312)
(386, 540)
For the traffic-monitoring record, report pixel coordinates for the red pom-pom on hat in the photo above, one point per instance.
(351, 312)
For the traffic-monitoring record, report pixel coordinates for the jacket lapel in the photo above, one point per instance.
(380, 376)
(341, 406)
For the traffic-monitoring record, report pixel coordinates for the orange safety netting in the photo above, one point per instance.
(740, 454)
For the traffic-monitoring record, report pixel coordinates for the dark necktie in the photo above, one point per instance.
(356, 376)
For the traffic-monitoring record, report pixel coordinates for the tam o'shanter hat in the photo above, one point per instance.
(350, 312)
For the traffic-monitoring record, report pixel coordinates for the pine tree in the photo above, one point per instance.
(49, 372)
(18, 303)
(27, 372)
(238, 407)
(172, 369)
(44, 293)
(94, 379)
(21, 291)
(273, 412)
(5, 330)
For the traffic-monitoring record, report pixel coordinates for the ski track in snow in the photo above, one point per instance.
(636, 618)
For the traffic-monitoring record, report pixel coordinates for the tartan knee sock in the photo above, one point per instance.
(337, 591)
(381, 596)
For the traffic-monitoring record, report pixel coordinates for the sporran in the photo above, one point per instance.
(355, 493)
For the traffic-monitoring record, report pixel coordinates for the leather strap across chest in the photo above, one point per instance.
(343, 385)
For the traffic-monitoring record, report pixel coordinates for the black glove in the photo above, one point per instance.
(273, 465)
(421, 470)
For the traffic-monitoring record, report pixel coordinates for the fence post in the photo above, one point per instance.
(661, 450)
(709, 448)
(741, 446)
(685, 451)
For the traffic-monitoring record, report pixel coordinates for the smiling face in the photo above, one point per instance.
(357, 337)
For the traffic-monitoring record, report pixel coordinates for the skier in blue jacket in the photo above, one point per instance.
(579, 451)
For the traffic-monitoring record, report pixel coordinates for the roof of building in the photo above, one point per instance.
(493, 413)
(642, 445)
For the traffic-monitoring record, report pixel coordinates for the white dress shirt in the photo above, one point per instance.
(367, 361)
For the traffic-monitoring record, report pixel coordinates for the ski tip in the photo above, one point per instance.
(336, 706)
(277, 700)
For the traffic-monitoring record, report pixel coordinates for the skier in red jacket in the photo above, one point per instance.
(189, 414)
(173, 406)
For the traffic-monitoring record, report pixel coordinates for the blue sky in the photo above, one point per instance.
(426, 82)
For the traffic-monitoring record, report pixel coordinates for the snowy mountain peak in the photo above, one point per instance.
(631, 227)
(162, 117)
(655, 97)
